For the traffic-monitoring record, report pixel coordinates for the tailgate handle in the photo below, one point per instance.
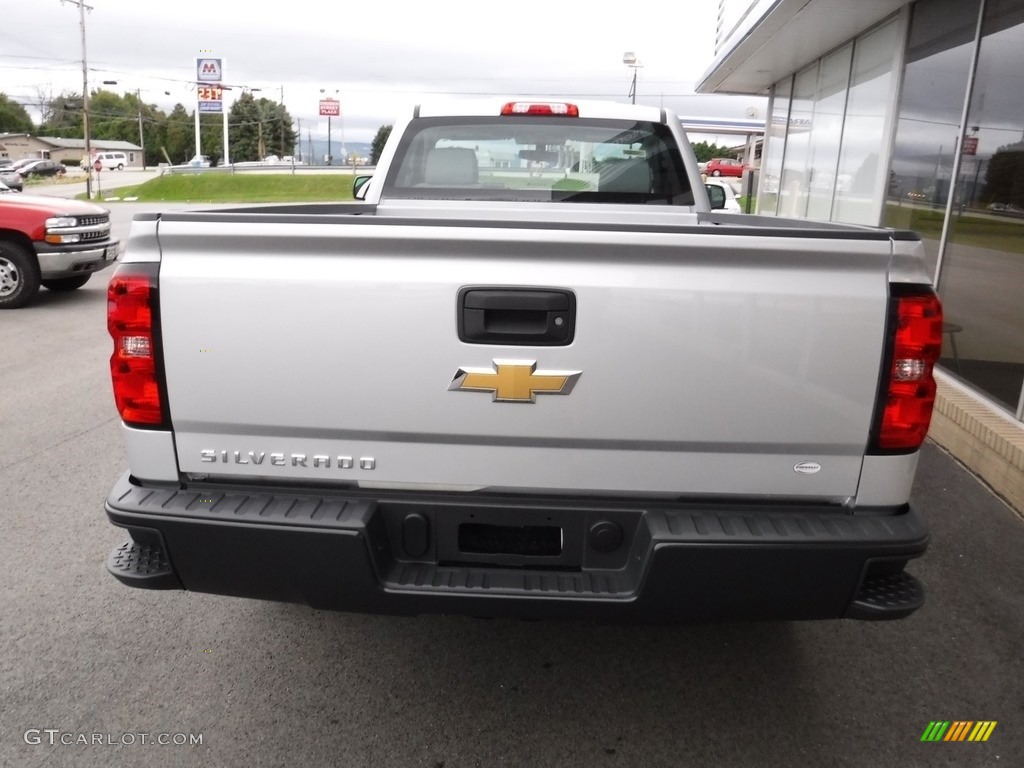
(525, 316)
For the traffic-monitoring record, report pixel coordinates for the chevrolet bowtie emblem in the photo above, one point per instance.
(514, 381)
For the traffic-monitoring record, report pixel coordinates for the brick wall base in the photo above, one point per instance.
(985, 439)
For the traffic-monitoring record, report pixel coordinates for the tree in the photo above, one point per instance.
(44, 102)
(113, 117)
(13, 117)
(245, 129)
(180, 135)
(705, 151)
(65, 117)
(378, 143)
(259, 127)
(1004, 178)
(211, 132)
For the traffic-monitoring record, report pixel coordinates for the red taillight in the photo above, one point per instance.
(909, 387)
(554, 109)
(133, 365)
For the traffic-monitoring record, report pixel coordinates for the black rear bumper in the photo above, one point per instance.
(403, 553)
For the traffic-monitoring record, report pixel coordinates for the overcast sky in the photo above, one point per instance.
(376, 58)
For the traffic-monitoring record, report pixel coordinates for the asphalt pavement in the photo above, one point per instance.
(84, 659)
(73, 184)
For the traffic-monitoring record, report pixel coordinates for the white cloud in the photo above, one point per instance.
(379, 58)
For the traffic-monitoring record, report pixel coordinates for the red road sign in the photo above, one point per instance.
(98, 166)
(330, 108)
(970, 145)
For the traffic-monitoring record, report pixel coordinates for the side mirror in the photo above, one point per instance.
(359, 189)
(716, 196)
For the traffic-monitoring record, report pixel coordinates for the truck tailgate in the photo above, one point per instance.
(708, 361)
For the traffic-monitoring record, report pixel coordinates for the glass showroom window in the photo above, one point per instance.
(938, 63)
(858, 181)
(795, 170)
(771, 163)
(826, 132)
(982, 278)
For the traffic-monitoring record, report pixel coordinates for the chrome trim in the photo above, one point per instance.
(58, 262)
(81, 230)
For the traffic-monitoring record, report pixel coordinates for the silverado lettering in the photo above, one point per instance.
(280, 459)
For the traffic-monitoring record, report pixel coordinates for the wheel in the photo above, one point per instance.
(120, 166)
(716, 172)
(67, 283)
(19, 275)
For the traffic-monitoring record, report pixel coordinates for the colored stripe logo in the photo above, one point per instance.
(958, 730)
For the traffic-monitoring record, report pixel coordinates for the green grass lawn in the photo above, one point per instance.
(970, 228)
(239, 188)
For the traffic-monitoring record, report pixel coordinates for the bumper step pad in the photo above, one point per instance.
(887, 597)
(142, 565)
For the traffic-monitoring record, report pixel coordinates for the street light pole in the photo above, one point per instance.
(630, 60)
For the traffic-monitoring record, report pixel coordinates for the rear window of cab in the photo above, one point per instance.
(539, 159)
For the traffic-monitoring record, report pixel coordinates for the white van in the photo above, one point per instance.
(110, 160)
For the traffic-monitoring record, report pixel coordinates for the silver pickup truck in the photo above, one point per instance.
(533, 373)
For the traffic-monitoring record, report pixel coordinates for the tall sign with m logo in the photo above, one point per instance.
(210, 98)
(209, 70)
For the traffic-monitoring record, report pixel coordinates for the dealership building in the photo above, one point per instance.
(908, 115)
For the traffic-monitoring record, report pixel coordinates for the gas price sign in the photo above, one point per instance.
(210, 98)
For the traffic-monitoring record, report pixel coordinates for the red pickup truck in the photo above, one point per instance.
(52, 242)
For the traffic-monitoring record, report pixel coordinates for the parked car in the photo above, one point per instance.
(732, 205)
(199, 161)
(286, 160)
(42, 168)
(12, 179)
(724, 166)
(18, 164)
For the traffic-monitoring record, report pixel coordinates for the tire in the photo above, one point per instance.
(67, 283)
(19, 275)
(120, 166)
(716, 172)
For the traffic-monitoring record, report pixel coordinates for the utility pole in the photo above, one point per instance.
(344, 152)
(281, 120)
(142, 137)
(82, 8)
